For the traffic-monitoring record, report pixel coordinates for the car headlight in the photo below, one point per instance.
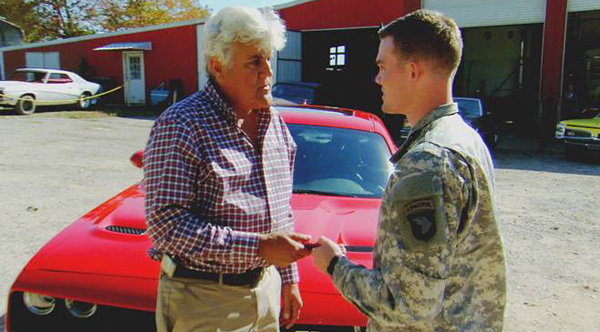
(39, 304)
(81, 309)
(560, 130)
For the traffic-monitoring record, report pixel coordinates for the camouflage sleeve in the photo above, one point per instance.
(419, 218)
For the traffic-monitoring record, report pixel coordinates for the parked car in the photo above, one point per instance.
(471, 110)
(297, 92)
(95, 275)
(28, 88)
(580, 135)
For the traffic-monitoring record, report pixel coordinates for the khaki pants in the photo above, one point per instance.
(186, 305)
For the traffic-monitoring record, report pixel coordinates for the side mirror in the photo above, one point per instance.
(137, 159)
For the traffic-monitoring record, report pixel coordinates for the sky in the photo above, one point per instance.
(218, 4)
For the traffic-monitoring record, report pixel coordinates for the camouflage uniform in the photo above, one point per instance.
(438, 263)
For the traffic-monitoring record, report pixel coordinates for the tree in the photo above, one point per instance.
(124, 14)
(55, 19)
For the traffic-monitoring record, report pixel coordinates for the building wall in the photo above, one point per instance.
(173, 56)
(335, 14)
(10, 35)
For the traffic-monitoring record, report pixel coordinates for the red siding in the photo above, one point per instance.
(173, 55)
(552, 58)
(331, 14)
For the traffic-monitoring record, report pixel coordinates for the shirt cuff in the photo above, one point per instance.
(244, 246)
(340, 271)
(289, 275)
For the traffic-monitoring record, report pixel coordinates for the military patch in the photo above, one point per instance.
(421, 216)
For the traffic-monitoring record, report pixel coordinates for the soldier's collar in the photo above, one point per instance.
(438, 112)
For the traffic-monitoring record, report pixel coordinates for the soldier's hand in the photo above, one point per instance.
(282, 249)
(323, 254)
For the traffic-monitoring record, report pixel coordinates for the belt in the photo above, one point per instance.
(248, 278)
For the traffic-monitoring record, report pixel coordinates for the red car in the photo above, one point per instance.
(95, 275)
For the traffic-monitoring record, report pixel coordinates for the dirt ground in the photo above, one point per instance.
(55, 167)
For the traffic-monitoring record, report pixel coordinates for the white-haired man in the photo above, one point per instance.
(218, 173)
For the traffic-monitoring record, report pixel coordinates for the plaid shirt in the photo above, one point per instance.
(210, 192)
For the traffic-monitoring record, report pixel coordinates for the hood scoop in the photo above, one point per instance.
(126, 230)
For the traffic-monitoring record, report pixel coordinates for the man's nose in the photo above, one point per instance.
(378, 79)
(266, 69)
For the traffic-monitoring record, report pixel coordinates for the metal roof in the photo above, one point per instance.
(141, 46)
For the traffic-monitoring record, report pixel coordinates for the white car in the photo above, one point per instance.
(29, 87)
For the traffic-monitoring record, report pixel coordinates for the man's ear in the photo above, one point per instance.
(416, 70)
(215, 67)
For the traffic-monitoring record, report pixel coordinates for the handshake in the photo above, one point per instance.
(282, 249)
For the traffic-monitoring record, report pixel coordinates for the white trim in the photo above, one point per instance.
(105, 35)
(2, 73)
(292, 4)
(336, 29)
(202, 79)
(143, 74)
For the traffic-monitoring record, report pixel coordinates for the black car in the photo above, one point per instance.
(297, 92)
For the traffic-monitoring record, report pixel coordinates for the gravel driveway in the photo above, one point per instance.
(54, 168)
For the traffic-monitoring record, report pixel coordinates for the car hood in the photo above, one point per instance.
(583, 123)
(111, 239)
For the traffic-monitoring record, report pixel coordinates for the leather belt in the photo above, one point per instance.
(248, 278)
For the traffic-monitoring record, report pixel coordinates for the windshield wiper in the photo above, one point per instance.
(319, 192)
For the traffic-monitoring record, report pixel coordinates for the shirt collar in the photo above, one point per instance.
(438, 112)
(215, 95)
(211, 89)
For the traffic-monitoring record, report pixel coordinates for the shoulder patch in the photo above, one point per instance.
(421, 216)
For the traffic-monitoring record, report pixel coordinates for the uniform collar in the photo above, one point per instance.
(437, 113)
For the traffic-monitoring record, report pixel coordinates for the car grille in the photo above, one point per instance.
(126, 230)
(577, 133)
(106, 319)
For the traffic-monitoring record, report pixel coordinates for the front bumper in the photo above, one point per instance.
(591, 143)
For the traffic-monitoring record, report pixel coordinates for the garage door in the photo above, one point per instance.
(289, 60)
(469, 13)
(583, 5)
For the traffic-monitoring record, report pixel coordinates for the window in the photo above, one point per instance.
(337, 57)
(59, 78)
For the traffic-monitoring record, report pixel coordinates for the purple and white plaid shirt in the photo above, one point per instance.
(210, 192)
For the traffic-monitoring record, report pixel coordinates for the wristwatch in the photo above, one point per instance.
(332, 263)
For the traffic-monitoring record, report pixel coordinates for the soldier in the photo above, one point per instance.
(438, 261)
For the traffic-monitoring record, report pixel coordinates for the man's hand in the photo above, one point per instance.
(323, 254)
(282, 249)
(291, 302)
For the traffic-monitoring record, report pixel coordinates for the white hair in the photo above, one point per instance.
(238, 24)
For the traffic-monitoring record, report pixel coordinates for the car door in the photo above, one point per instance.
(60, 89)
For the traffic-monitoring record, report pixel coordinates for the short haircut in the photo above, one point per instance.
(238, 24)
(426, 35)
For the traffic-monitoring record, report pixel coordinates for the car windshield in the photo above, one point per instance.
(340, 162)
(28, 76)
(295, 93)
(469, 108)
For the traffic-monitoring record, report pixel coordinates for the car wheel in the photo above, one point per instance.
(25, 105)
(84, 102)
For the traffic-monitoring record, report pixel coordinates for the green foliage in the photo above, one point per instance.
(55, 19)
